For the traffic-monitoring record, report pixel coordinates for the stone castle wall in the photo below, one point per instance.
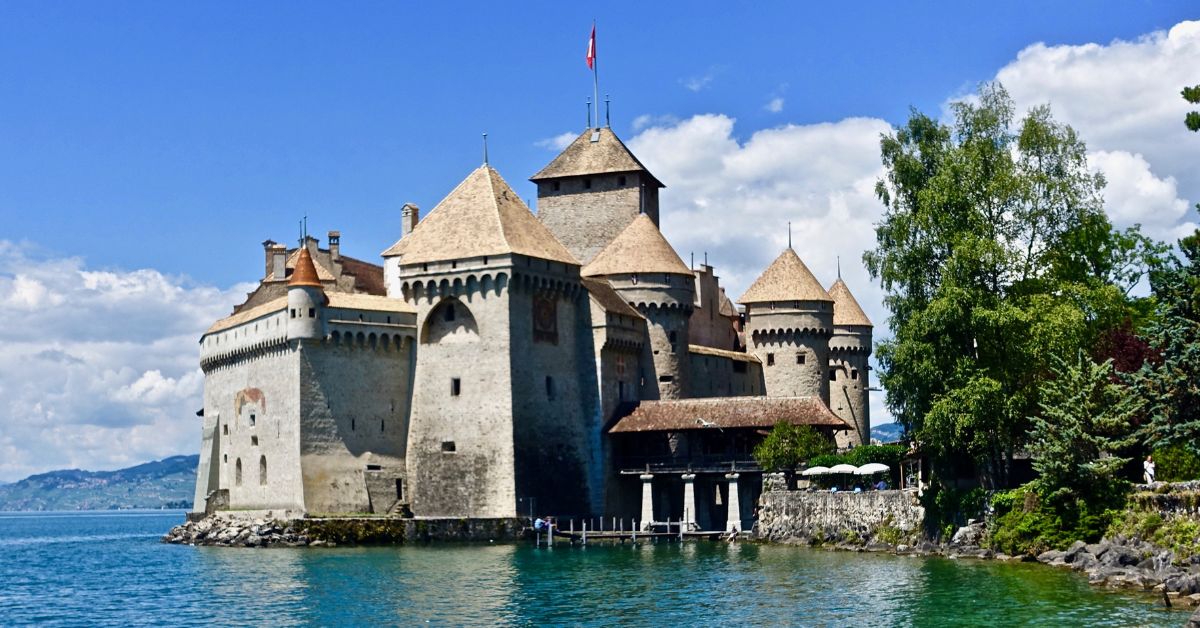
(586, 213)
(791, 340)
(818, 516)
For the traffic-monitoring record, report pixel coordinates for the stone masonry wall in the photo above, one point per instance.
(802, 516)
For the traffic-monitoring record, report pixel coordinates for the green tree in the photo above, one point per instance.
(995, 254)
(789, 445)
(1170, 380)
(1086, 419)
(1192, 119)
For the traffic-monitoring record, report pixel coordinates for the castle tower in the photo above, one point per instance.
(505, 386)
(789, 320)
(306, 298)
(648, 274)
(592, 190)
(849, 350)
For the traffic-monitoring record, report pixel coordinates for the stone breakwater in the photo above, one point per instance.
(226, 530)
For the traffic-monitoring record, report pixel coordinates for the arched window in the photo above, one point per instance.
(262, 470)
(237, 472)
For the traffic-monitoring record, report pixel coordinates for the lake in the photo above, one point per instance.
(109, 569)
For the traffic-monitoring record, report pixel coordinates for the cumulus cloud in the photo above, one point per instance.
(558, 142)
(1123, 98)
(99, 368)
(775, 105)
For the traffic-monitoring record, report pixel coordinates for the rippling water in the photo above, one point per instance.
(110, 569)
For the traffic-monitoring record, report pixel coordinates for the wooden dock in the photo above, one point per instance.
(668, 531)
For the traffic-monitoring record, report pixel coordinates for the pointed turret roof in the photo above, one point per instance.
(584, 156)
(640, 248)
(482, 216)
(786, 279)
(305, 273)
(846, 310)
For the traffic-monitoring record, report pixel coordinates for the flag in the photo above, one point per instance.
(591, 53)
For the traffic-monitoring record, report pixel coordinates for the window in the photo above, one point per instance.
(800, 358)
(254, 441)
(353, 424)
(666, 379)
(252, 419)
(557, 186)
(621, 180)
(620, 391)
(225, 458)
(448, 447)
(455, 386)
(312, 312)
(225, 429)
(587, 184)
(374, 467)
(833, 375)
(237, 472)
(853, 373)
(549, 387)
(448, 316)
(770, 359)
(381, 425)
(262, 470)
(293, 311)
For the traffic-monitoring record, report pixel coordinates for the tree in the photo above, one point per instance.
(1086, 419)
(995, 254)
(1192, 95)
(1170, 380)
(789, 445)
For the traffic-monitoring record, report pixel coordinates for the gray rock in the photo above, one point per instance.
(1194, 620)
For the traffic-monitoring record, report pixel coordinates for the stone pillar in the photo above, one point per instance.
(689, 501)
(647, 500)
(733, 520)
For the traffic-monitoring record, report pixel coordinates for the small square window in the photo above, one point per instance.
(770, 359)
(448, 447)
(833, 375)
(312, 312)
(254, 441)
(225, 429)
(455, 386)
(800, 358)
(252, 419)
(293, 312)
(853, 373)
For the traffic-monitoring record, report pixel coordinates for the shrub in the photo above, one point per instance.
(1027, 522)
(788, 445)
(1176, 463)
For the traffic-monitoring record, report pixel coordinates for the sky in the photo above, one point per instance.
(147, 149)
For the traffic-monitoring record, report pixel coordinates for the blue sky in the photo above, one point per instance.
(147, 148)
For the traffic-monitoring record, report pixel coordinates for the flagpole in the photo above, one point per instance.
(595, 75)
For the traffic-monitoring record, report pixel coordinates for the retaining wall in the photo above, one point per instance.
(803, 516)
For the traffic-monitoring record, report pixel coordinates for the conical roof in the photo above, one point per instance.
(846, 310)
(640, 248)
(786, 279)
(482, 216)
(584, 156)
(305, 273)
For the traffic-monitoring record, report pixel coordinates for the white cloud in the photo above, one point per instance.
(1123, 98)
(100, 367)
(775, 105)
(703, 81)
(558, 142)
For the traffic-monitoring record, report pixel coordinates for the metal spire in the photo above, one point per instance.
(839, 262)
(485, 155)
(789, 234)
(607, 112)
(589, 105)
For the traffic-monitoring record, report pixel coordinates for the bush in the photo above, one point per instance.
(1026, 522)
(789, 445)
(1179, 534)
(1176, 463)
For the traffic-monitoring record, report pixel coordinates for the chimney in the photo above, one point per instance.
(410, 214)
(277, 260)
(335, 245)
(267, 244)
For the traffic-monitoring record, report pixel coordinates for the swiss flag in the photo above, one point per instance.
(591, 53)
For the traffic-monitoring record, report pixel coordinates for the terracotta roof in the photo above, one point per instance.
(846, 310)
(724, 353)
(603, 294)
(727, 307)
(248, 315)
(640, 248)
(786, 279)
(583, 157)
(482, 216)
(305, 273)
(727, 412)
(368, 302)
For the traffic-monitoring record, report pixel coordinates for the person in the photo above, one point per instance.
(539, 524)
(1148, 465)
(881, 485)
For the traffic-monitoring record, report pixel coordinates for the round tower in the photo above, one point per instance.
(306, 299)
(648, 274)
(849, 352)
(789, 321)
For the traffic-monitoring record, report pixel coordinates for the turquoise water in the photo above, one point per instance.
(109, 569)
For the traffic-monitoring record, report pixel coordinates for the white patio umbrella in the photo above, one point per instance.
(848, 469)
(815, 471)
(871, 468)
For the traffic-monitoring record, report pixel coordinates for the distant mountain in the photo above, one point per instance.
(887, 432)
(166, 483)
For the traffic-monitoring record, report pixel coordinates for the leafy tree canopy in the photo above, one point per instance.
(789, 445)
(995, 254)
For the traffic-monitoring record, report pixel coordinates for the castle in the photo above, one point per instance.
(500, 363)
